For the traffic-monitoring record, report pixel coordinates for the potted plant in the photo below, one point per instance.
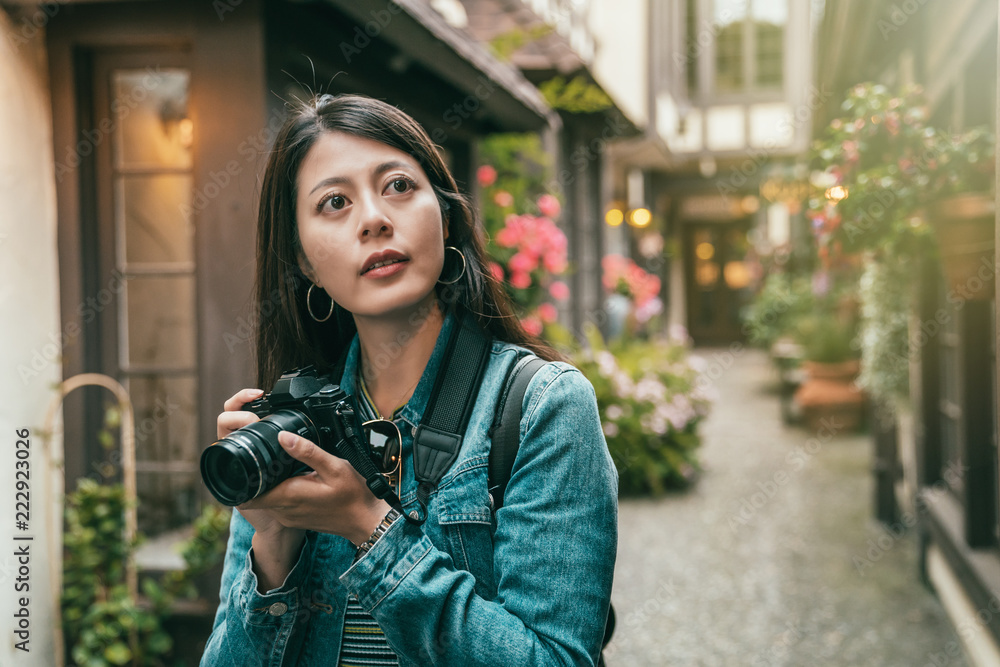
(962, 217)
(829, 394)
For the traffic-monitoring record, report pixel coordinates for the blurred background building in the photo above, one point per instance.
(938, 460)
(135, 133)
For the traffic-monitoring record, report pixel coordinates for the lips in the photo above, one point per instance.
(382, 259)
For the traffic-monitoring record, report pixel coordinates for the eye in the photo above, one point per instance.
(400, 185)
(336, 202)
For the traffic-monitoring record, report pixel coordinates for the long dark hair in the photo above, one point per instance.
(287, 336)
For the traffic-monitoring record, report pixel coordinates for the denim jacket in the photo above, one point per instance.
(527, 585)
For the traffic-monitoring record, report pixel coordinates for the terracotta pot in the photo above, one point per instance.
(964, 228)
(844, 371)
(829, 398)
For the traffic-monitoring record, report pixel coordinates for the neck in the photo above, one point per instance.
(395, 350)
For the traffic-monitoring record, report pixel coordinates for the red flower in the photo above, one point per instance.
(532, 325)
(520, 280)
(496, 270)
(486, 175)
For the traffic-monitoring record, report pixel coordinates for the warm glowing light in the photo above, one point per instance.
(614, 217)
(186, 130)
(836, 193)
(639, 217)
(736, 274)
(705, 250)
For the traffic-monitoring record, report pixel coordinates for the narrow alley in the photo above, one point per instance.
(773, 558)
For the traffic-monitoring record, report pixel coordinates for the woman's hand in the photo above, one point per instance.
(235, 418)
(333, 498)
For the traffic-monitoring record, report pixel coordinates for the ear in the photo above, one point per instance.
(306, 268)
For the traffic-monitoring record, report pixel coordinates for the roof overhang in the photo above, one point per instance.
(456, 57)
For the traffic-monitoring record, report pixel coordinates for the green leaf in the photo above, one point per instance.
(160, 643)
(118, 654)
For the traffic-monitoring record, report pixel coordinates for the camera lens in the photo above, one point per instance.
(249, 461)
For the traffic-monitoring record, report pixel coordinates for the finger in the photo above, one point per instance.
(241, 397)
(286, 496)
(306, 451)
(231, 421)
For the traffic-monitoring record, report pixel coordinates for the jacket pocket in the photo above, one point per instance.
(466, 523)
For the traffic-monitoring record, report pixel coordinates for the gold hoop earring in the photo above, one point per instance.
(460, 273)
(309, 305)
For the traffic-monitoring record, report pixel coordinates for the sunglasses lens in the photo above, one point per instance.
(383, 436)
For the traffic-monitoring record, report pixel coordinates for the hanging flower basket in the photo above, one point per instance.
(964, 229)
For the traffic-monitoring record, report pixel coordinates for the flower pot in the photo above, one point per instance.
(829, 398)
(964, 229)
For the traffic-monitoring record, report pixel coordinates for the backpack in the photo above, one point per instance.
(505, 441)
(438, 438)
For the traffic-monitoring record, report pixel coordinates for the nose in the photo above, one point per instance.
(373, 219)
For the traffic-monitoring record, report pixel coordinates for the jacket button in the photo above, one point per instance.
(277, 609)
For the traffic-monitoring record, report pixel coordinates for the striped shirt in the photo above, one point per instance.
(363, 643)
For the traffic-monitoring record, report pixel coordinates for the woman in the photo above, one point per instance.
(369, 256)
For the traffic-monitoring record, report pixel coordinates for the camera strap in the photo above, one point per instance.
(438, 438)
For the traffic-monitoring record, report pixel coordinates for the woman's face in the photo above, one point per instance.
(370, 225)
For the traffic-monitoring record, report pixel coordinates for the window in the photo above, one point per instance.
(146, 188)
(769, 20)
(749, 38)
(729, 17)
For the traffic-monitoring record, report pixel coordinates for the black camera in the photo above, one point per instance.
(250, 461)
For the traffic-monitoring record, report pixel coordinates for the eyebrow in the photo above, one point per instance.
(381, 169)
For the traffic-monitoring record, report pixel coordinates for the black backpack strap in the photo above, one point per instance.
(506, 431)
(438, 438)
(506, 440)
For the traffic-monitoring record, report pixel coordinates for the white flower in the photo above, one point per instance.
(624, 386)
(698, 364)
(650, 389)
(610, 429)
(614, 412)
(607, 365)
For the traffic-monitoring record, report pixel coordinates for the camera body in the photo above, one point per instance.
(250, 461)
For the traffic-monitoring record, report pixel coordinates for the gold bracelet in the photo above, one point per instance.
(379, 531)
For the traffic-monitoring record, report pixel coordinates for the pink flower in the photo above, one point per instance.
(496, 270)
(559, 290)
(503, 199)
(549, 206)
(520, 280)
(547, 312)
(554, 262)
(486, 175)
(508, 237)
(522, 263)
(532, 325)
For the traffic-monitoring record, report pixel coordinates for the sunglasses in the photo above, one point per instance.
(384, 445)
